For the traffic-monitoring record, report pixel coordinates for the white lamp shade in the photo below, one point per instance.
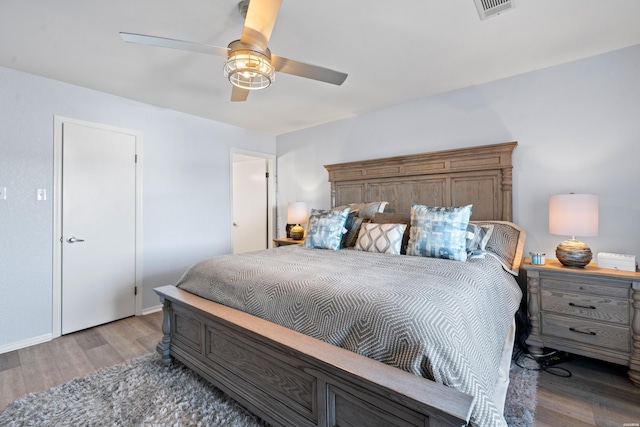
(573, 215)
(297, 213)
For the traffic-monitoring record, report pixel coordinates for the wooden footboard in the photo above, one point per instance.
(290, 379)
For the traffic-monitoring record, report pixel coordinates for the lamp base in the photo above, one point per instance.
(574, 253)
(297, 232)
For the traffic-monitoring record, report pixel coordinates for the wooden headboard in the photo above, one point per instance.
(477, 175)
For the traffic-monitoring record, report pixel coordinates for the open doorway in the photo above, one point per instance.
(252, 200)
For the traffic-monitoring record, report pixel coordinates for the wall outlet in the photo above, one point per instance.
(41, 194)
(3, 193)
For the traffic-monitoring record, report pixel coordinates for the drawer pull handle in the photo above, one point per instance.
(582, 306)
(582, 332)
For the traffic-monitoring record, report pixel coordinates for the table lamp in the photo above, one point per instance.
(573, 215)
(297, 214)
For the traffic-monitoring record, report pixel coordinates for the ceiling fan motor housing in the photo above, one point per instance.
(249, 67)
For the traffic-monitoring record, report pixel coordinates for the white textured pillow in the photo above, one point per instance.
(381, 238)
(366, 209)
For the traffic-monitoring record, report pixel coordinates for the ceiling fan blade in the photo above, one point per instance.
(174, 44)
(296, 68)
(258, 25)
(238, 94)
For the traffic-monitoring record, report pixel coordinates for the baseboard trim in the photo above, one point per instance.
(152, 309)
(6, 348)
(25, 343)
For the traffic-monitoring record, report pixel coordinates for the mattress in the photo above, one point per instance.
(440, 319)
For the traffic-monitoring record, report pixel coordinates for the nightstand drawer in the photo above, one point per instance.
(586, 306)
(610, 288)
(592, 333)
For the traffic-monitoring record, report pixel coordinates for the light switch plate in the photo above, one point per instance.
(3, 193)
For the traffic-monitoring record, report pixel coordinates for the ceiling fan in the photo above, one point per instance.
(250, 65)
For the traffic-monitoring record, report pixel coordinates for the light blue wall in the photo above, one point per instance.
(577, 127)
(186, 210)
(576, 124)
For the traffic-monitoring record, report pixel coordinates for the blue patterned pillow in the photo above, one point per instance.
(477, 238)
(439, 232)
(326, 228)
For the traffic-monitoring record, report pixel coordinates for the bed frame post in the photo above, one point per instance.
(507, 192)
(164, 344)
(332, 195)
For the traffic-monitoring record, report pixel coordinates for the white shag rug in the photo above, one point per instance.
(142, 392)
(520, 405)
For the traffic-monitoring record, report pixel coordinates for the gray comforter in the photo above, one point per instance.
(440, 319)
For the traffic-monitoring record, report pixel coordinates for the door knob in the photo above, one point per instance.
(74, 240)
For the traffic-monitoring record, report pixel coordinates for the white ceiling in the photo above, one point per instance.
(393, 51)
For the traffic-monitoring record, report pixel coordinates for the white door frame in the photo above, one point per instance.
(271, 190)
(57, 216)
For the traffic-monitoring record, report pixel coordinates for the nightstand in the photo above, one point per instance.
(283, 241)
(590, 311)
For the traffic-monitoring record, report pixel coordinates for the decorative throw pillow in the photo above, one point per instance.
(396, 218)
(477, 239)
(352, 225)
(503, 243)
(353, 229)
(326, 228)
(439, 232)
(381, 238)
(366, 209)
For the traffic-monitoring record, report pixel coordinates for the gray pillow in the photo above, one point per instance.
(353, 229)
(503, 243)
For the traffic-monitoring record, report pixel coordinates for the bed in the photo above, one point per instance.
(288, 377)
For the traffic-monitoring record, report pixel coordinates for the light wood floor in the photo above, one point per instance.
(45, 365)
(597, 393)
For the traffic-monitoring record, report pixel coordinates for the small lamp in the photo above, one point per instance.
(297, 214)
(573, 215)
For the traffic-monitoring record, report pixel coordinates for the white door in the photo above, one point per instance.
(250, 221)
(98, 226)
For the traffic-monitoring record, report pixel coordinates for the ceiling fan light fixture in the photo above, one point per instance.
(249, 69)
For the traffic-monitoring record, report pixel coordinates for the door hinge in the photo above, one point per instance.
(135, 290)
(136, 159)
(267, 175)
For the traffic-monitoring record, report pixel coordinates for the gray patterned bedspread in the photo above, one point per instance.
(440, 319)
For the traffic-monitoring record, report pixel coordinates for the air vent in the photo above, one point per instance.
(491, 8)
